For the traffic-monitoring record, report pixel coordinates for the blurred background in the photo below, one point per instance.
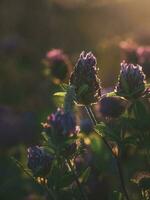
(112, 29)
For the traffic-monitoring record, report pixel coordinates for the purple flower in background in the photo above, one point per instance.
(39, 161)
(85, 80)
(133, 53)
(131, 81)
(62, 124)
(59, 64)
(86, 126)
(143, 54)
(129, 48)
(112, 107)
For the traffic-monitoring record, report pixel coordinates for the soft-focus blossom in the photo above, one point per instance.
(134, 53)
(112, 106)
(131, 82)
(143, 54)
(85, 80)
(86, 126)
(39, 161)
(59, 64)
(129, 48)
(61, 123)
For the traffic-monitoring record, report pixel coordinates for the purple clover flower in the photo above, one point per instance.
(63, 124)
(85, 80)
(112, 106)
(59, 64)
(131, 81)
(86, 126)
(39, 161)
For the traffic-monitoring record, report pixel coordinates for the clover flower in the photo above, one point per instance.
(86, 126)
(112, 106)
(131, 81)
(39, 161)
(61, 123)
(59, 64)
(84, 79)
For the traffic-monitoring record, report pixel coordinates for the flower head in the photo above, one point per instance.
(59, 64)
(131, 82)
(63, 124)
(85, 80)
(39, 161)
(112, 106)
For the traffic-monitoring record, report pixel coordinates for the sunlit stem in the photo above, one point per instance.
(122, 182)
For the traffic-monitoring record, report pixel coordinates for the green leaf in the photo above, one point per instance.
(60, 94)
(64, 87)
(141, 88)
(117, 195)
(69, 99)
(140, 108)
(67, 179)
(45, 137)
(85, 175)
(83, 89)
(110, 94)
(125, 85)
(105, 131)
(101, 128)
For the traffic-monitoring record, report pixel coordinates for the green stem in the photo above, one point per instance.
(91, 115)
(121, 177)
(84, 197)
(49, 190)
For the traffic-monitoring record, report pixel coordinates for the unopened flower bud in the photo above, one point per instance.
(112, 106)
(131, 82)
(39, 161)
(84, 79)
(59, 64)
(86, 126)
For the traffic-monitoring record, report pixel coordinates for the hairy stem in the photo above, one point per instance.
(49, 190)
(91, 115)
(84, 197)
(122, 182)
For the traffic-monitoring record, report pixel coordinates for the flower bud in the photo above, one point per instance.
(113, 106)
(59, 64)
(86, 126)
(131, 82)
(39, 161)
(84, 79)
